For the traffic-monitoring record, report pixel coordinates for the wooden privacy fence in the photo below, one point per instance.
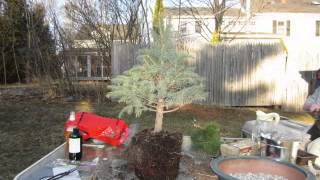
(239, 74)
(124, 56)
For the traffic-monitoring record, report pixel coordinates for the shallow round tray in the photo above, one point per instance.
(223, 166)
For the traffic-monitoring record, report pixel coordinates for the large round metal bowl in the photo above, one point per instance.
(223, 166)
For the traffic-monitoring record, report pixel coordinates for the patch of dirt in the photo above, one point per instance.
(155, 155)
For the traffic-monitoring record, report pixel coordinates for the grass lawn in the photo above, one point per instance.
(30, 128)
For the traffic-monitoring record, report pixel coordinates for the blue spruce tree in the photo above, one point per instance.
(162, 82)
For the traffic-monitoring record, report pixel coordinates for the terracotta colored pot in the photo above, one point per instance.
(224, 166)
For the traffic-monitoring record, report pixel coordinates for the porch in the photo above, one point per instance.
(86, 65)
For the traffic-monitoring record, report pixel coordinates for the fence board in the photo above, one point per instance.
(124, 56)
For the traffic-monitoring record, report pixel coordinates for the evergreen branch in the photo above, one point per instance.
(148, 57)
(148, 100)
(172, 110)
(150, 109)
(151, 106)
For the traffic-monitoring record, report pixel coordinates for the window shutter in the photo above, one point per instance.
(288, 27)
(198, 27)
(274, 27)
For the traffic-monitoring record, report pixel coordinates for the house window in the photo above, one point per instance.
(83, 67)
(198, 27)
(183, 27)
(95, 65)
(281, 27)
(318, 28)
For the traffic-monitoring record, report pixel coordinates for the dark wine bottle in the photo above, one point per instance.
(75, 145)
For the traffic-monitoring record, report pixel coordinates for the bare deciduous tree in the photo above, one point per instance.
(106, 21)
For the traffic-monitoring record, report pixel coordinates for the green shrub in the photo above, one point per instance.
(207, 139)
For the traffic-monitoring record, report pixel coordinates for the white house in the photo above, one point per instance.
(286, 19)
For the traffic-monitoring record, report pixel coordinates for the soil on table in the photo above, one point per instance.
(31, 125)
(155, 155)
(193, 165)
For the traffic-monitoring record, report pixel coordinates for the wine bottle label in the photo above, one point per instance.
(74, 145)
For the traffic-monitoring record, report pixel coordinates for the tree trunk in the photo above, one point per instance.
(13, 47)
(218, 23)
(15, 63)
(146, 21)
(220, 7)
(4, 67)
(159, 116)
(28, 77)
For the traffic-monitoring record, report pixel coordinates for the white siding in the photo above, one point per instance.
(302, 25)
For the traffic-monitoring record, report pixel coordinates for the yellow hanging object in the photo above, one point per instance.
(214, 38)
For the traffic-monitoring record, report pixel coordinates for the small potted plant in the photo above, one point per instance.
(207, 139)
